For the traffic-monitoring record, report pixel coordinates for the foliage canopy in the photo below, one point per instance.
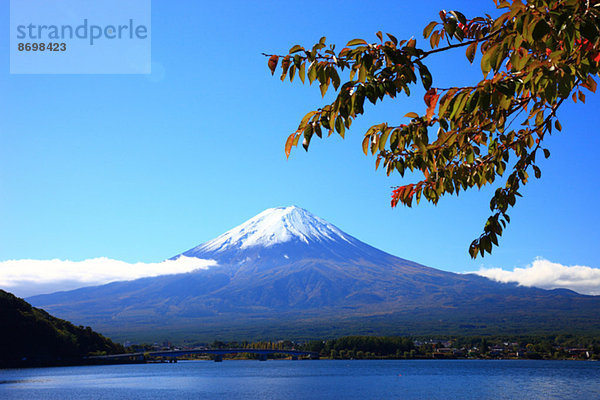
(534, 56)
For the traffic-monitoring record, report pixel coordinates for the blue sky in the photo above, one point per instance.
(140, 168)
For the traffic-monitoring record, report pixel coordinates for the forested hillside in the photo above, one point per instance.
(31, 336)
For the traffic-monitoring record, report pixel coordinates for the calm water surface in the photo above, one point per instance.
(318, 379)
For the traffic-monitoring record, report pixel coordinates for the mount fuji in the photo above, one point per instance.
(288, 273)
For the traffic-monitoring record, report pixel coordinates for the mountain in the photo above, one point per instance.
(272, 227)
(286, 272)
(30, 336)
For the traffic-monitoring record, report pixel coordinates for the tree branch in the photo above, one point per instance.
(457, 45)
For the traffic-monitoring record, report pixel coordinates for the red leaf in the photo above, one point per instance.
(273, 63)
(403, 194)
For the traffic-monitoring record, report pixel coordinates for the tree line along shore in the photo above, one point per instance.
(31, 337)
(552, 347)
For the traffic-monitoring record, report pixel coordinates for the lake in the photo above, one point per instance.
(314, 379)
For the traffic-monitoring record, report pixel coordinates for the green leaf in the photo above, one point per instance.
(301, 71)
(494, 239)
(392, 38)
(323, 87)
(339, 126)
(471, 50)
(356, 42)
(557, 125)
(362, 74)
(312, 72)
(496, 58)
(459, 16)
(335, 78)
(473, 250)
(308, 132)
(472, 102)
(296, 49)
(470, 157)
(306, 142)
(589, 30)
(519, 60)
(318, 130)
(487, 244)
(383, 138)
(484, 99)
(425, 76)
(450, 27)
(444, 104)
(459, 103)
(322, 73)
(486, 65)
(304, 121)
(541, 29)
(546, 153)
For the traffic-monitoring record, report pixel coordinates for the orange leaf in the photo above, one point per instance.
(590, 83)
(431, 99)
(397, 195)
(288, 144)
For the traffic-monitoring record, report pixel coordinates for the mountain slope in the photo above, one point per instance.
(286, 270)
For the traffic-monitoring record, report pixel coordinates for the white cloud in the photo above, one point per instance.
(30, 277)
(548, 275)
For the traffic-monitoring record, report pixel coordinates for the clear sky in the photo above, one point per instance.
(139, 168)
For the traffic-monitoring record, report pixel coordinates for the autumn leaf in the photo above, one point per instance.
(431, 99)
(273, 60)
(288, 144)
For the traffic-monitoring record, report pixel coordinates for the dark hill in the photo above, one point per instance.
(30, 336)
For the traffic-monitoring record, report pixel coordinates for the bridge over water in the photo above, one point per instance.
(172, 355)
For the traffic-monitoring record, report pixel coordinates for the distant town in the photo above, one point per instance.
(563, 347)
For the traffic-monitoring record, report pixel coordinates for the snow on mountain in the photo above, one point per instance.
(275, 226)
(286, 270)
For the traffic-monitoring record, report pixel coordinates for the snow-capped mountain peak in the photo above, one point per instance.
(274, 226)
